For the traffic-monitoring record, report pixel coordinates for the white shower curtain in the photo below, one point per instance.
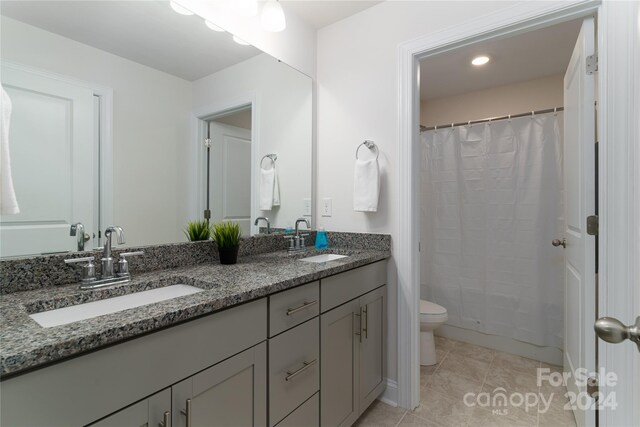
(491, 205)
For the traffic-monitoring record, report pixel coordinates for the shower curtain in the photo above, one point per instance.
(491, 205)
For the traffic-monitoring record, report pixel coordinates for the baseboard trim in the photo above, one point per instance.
(390, 393)
(545, 354)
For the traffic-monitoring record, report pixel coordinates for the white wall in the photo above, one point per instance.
(538, 94)
(357, 99)
(151, 112)
(283, 107)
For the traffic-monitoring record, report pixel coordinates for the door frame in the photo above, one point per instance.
(199, 119)
(103, 177)
(619, 192)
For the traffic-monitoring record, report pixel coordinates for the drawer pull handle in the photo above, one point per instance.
(305, 305)
(166, 421)
(306, 365)
(365, 329)
(187, 413)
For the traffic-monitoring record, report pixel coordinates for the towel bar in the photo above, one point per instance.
(371, 146)
(272, 157)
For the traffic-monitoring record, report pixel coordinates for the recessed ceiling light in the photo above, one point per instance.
(240, 41)
(480, 60)
(179, 9)
(213, 26)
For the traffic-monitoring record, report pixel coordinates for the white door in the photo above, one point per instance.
(579, 187)
(51, 140)
(230, 178)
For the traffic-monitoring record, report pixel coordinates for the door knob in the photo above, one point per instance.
(614, 331)
(558, 242)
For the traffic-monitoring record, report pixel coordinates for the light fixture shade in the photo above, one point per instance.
(179, 9)
(272, 18)
(213, 26)
(240, 41)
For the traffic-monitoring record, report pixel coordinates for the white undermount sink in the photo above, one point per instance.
(323, 258)
(89, 310)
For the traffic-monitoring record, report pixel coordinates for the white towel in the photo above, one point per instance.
(269, 189)
(8, 202)
(366, 186)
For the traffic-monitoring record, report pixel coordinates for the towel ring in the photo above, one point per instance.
(272, 157)
(371, 146)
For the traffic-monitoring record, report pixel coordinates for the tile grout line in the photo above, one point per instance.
(484, 380)
(402, 417)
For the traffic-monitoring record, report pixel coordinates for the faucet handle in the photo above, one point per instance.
(88, 269)
(292, 239)
(123, 264)
(88, 259)
(302, 236)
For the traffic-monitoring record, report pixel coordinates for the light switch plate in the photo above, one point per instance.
(326, 206)
(306, 207)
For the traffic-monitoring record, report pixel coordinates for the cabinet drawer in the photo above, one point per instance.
(306, 415)
(290, 308)
(294, 368)
(343, 287)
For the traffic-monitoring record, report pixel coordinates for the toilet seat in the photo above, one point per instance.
(431, 312)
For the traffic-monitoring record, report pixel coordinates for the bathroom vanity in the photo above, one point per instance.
(270, 341)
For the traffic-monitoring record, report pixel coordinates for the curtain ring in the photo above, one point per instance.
(533, 113)
(555, 111)
(469, 123)
(509, 117)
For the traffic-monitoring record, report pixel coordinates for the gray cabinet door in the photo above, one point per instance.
(373, 350)
(339, 348)
(147, 412)
(231, 393)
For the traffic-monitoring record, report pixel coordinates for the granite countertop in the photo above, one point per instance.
(26, 345)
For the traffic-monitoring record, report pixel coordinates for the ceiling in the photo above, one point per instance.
(519, 58)
(150, 33)
(147, 32)
(320, 13)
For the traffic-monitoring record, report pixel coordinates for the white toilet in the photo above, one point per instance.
(431, 316)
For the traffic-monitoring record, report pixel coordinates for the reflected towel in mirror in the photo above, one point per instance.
(8, 202)
(366, 186)
(269, 189)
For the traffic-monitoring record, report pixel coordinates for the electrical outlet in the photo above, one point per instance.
(306, 207)
(326, 206)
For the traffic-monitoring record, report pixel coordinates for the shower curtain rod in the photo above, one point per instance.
(492, 119)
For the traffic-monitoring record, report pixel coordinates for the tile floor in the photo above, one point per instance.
(463, 368)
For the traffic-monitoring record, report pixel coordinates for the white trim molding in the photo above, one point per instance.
(390, 394)
(519, 18)
(619, 200)
(199, 131)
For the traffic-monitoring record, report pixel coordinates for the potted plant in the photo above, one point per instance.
(227, 237)
(198, 230)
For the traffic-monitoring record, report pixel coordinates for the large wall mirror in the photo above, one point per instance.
(117, 108)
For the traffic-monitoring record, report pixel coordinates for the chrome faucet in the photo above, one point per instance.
(297, 243)
(77, 230)
(298, 221)
(109, 277)
(107, 260)
(263, 218)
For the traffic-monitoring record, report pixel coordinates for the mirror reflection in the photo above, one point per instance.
(129, 114)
